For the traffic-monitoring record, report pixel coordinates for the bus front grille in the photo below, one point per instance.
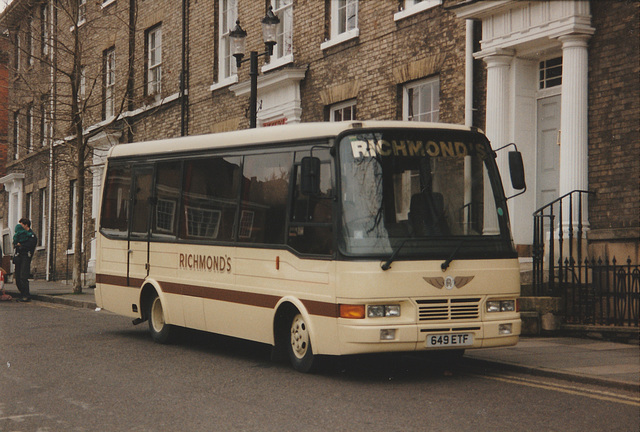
(448, 309)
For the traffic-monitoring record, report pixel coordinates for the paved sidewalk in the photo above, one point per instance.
(582, 360)
(55, 292)
(575, 359)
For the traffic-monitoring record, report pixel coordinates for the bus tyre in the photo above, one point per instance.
(161, 332)
(300, 352)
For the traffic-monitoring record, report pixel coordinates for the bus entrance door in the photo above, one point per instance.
(138, 251)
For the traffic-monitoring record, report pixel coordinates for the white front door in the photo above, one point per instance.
(548, 153)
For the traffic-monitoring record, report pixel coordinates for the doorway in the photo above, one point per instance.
(548, 150)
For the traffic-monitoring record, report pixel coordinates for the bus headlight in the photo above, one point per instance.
(380, 311)
(507, 306)
(501, 306)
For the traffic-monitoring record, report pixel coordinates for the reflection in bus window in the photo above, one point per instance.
(143, 179)
(210, 191)
(310, 224)
(168, 184)
(115, 207)
(265, 187)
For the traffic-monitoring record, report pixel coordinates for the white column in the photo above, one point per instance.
(497, 127)
(574, 123)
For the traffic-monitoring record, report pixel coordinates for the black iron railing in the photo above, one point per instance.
(601, 293)
(597, 292)
(562, 242)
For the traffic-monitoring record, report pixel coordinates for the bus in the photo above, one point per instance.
(320, 239)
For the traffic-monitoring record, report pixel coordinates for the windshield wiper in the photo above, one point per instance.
(445, 265)
(387, 264)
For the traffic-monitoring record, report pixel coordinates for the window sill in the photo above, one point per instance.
(276, 63)
(417, 8)
(224, 83)
(343, 37)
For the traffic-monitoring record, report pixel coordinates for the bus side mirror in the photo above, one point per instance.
(516, 170)
(310, 176)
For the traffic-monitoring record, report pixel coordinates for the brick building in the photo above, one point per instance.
(163, 69)
(562, 86)
(4, 98)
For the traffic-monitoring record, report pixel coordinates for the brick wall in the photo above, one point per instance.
(5, 56)
(371, 69)
(386, 55)
(614, 122)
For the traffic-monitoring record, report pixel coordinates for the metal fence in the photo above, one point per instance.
(601, 292)
(598, 292)
(560, 241)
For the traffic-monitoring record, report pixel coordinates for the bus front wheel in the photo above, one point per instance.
(300, 352)
(161, 332)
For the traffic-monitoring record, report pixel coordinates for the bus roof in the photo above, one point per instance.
(266, 135)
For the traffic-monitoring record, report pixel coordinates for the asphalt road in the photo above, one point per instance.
(67, 369)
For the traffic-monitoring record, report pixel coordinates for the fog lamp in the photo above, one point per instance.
(387, 334)
(504, 329)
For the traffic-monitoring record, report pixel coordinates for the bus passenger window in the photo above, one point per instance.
(114, 220)
(168, 185)
(209, 201)
(265, 187)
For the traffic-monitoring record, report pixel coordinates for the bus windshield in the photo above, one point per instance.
(419, 193)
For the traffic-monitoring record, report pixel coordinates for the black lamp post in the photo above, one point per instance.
(238, 41)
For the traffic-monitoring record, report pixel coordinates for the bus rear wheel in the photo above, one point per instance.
(300, 352)
(161, 332)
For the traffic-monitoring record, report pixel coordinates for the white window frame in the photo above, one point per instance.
(227, 70)
(44, 28)
(166, 215)
(110, 83)
(433, 110)
(28, 205)
(246, 224)
(412, 7)
(338, 36)
(16, 135)
(283, 50)
(74, 216)
(154, 60)
(202, 222)
(18, 54)
(42, 239)
(82, 12)
(544, 81)
(341, 107)
(44, 122)
(30, 129)
(82, 91)
(31, 48)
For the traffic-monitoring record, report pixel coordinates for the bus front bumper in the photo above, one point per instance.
(358, 339)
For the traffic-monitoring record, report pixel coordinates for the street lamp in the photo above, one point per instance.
(238, 38)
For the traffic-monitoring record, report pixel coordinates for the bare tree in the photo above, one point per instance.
(74, 77)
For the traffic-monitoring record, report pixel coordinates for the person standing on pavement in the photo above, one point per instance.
(24, 242)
